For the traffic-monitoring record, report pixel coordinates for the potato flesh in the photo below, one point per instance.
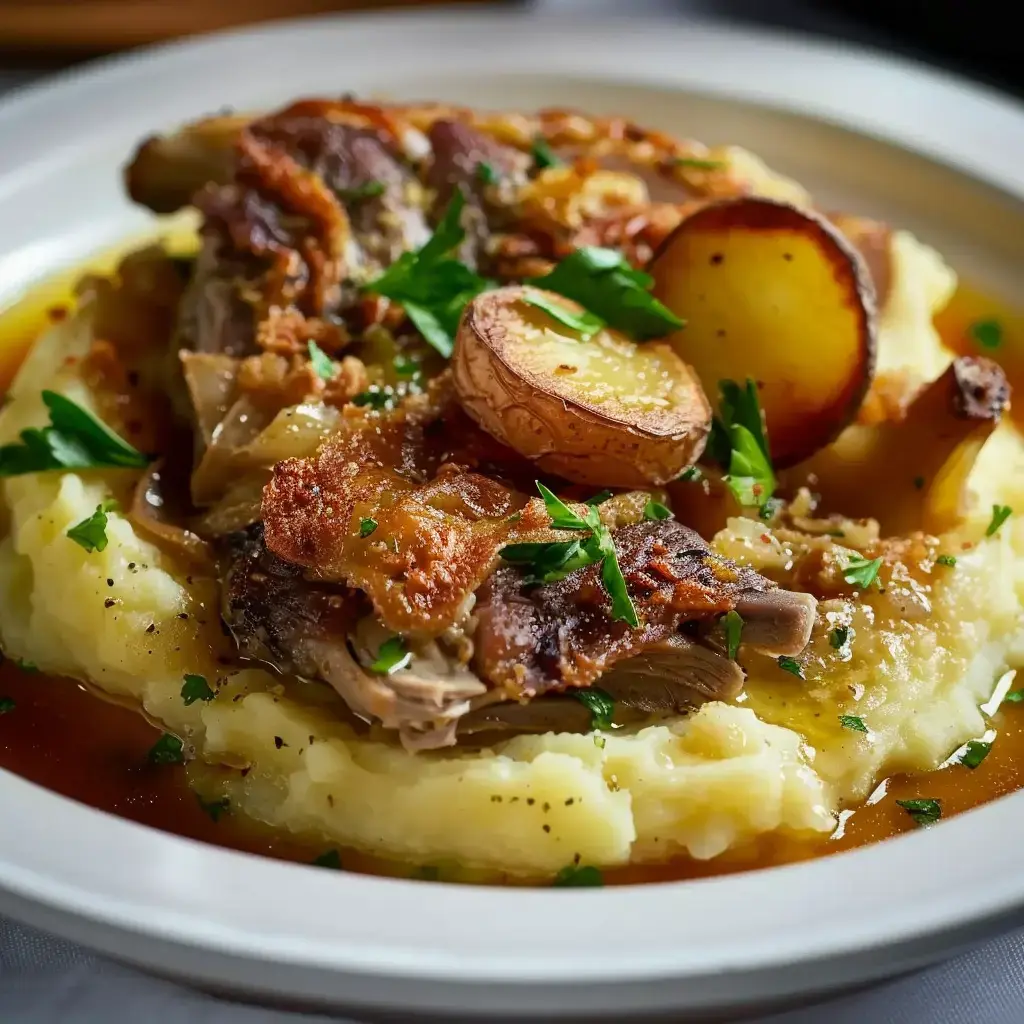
(600, 411)
(786, 304)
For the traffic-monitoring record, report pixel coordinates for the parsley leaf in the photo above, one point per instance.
(976, 752)
(691, 475)
(1015, 697)
(862, 572)
(987, 333)
(215, 808)
(654, 510)
(391, 657)
(75, 439)
(947, 560)
(376, 398)
(602, 281)
(573, 877)
(368, 190)
(732, 624)
(853, 722)
(586, 324)
(367, 526)
(166, 750)
(697, 164)
(91, 532)
(433, 287)
(838, 637)
(555, 560)
(321, 362)
(600, 704)
(543, 155)
(600, 498)
(739, 442)
(406, 367)
(486, 174)
(7, 705)
(329, 859)
(1000, 513)
(792, 666)
(924, 812)
(196, 688)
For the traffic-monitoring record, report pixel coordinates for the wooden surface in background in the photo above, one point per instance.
(100, 25)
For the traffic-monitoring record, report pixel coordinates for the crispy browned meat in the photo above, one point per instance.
(532, 639)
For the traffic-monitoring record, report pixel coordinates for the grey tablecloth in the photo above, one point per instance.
(47, 981)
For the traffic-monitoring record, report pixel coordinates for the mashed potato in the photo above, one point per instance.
(133, 621)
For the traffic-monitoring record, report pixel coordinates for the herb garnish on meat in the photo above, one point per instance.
(432, 286)
(732, 626)
(600, 704)
(603, 282)
(91, 532)
(391, 657)
(320, 361)
(543, 155)
(655, 511)
(75, 439)
(367, 526)
(554, 561)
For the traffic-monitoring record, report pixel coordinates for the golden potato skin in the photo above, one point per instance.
(578, 420)
(776, 294)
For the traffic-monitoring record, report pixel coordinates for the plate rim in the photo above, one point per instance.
(990, 116)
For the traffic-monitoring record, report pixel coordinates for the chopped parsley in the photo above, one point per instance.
(543, 155)
(697, 164)
(214, 808)
(1015, 697)
(986, 333)
(554, 561)
(691, 475)
(368, 190)
(770, 509)
(329, 859)
(853, 722)
(485, 173)
(367, 526)
(654, 510)
(376, 398)
(603, 282)
(862, 572)
(584, 323)
(838, 637)
(7, 705)
(600, 498)
(166, 750)
(947, 560)
(406, 367)
(392, 657)
(576, 877)
(732, 626)
(739, 442)
(1000, 513)
(431, 285)
(320, 361)
(196, 688)
(975, 753)
(792, 666)
(924, 812)
(601, 706)
(75, 439)
(91, 532)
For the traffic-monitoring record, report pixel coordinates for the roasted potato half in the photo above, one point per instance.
(596, 410)
(776, 294)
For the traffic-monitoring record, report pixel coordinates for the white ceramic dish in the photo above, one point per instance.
(941, 157)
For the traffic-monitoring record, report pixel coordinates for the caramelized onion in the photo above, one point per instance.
(155, 513)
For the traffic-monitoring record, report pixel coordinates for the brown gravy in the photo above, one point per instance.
(65, 738)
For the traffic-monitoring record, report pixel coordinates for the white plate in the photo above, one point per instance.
(858, 130)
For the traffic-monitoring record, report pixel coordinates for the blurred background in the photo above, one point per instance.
(41, 35)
